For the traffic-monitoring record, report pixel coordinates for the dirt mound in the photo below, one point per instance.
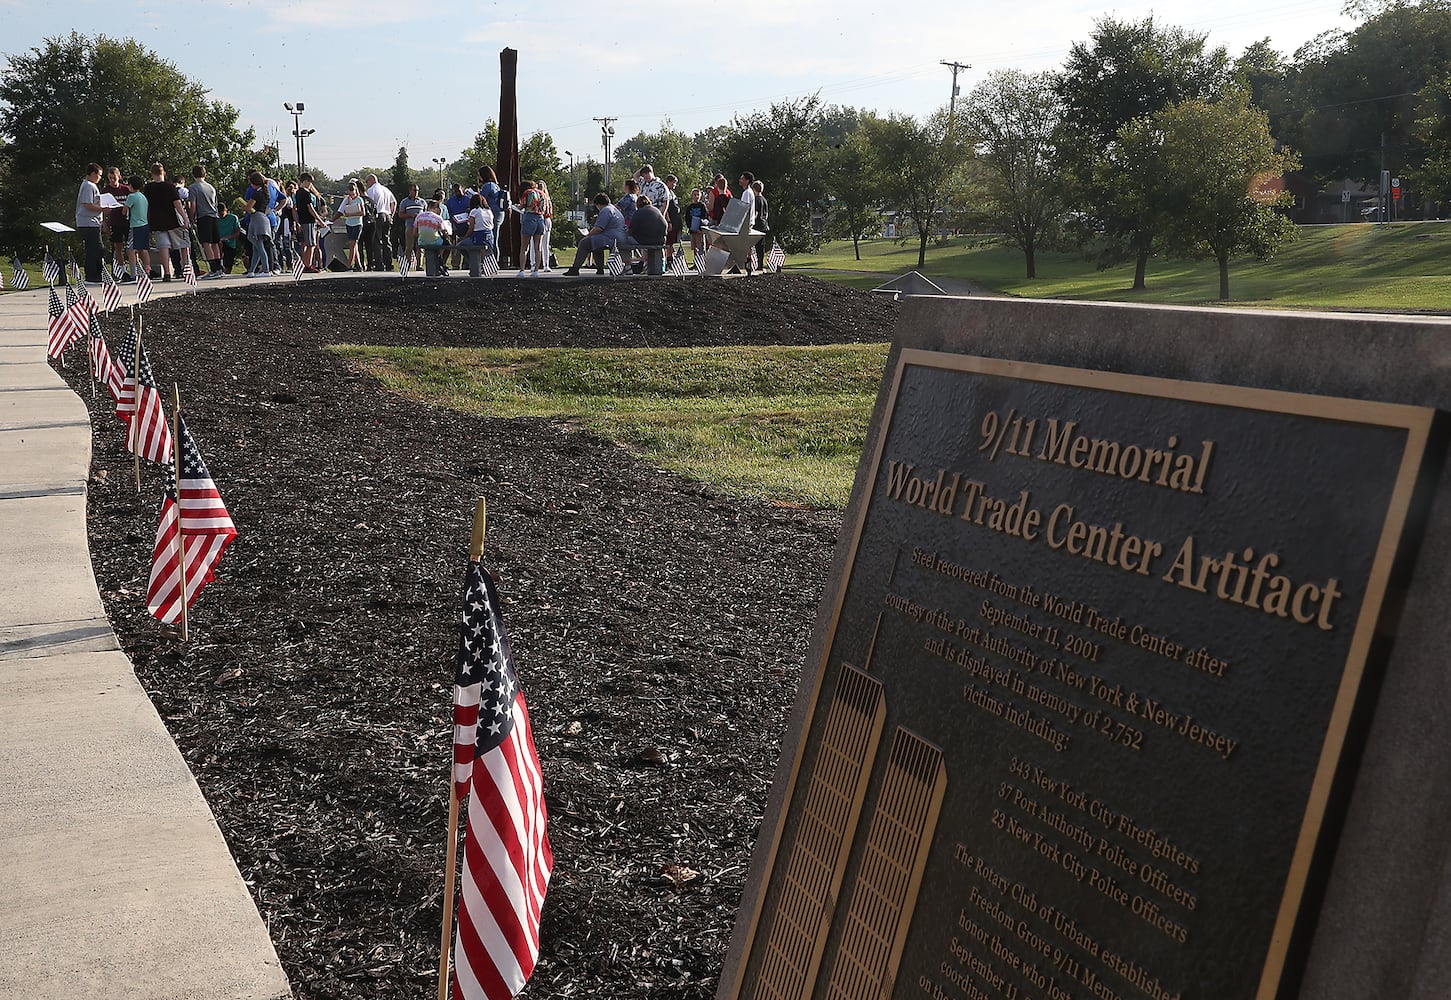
(659, 629)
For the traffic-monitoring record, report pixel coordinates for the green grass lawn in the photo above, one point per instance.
(780, 423)
(1403, 267)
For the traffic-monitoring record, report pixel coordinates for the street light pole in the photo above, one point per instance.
(573, 181)
(302, 149)
(296, 112)
(440, 162)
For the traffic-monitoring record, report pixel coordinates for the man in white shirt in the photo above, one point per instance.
(747, 196)
(653, 187)
(387, 206)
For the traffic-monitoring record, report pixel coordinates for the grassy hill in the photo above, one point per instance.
(1402, 267)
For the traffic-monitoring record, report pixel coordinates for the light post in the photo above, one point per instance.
(440, 162)
(302, 149)
(296, 111)
(573, 180)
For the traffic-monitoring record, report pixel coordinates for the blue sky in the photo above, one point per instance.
(364, 67)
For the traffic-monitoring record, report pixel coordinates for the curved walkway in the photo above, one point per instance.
(114, 878)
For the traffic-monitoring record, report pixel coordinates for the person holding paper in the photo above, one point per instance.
(88, 221)
(116, 219)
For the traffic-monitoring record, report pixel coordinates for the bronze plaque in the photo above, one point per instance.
(1130, 620)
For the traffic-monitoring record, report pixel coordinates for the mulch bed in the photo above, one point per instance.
(659, 628)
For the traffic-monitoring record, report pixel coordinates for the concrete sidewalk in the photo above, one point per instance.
(114, 878)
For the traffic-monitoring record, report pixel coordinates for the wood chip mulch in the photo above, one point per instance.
(659, 628)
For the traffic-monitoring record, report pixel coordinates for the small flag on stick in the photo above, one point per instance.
(188, 273)
(110, 292)
(78, 309)
(143, 286)
(507, 856)
(194, 530)
(20, 278)
(677, 263)
(490, 267)
(776, 259)
(60, 331)
(105, 370)
(50, 269)
(700, 262)
(298, 268)
(405, 264)
(616, 264)
(148, 437)
(126, 397)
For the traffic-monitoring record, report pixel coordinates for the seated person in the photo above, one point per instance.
(608, 230)
(480, 231)
(630, 200)
(431, 228)
(646, 229)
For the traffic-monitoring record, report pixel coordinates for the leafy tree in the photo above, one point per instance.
(783, 148)
(485, 150)
(1126, 70)
(401, 177)
(1433, 130)
(668, 151)
(76, 99)
(1016, 120)
(1220, 172)
(1357, 93)
(855, 183)
(917, 162)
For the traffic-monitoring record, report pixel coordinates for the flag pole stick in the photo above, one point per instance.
(91, 362)
(180, 520)
(476, 551)
(135, 407)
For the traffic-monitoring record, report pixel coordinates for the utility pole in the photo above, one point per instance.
(607, 134)
(956, 67)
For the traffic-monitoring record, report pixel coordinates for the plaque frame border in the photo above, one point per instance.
(1416, 421)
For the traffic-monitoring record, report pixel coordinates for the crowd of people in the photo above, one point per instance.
(276, 224)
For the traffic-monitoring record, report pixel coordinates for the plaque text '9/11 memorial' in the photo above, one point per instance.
(1120, 625)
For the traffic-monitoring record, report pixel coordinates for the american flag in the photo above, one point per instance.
(106, 371)
(507, 857)
(405, 264)
(490, 268)
(50, 269)
(74, 268)
(297, 268)
(143, 286)
(110, 292)
(2, 279)
(126, 396)
(78, 308)
(776, 259)
(106, 273)
(616, 264)
(195, 525)
(18, 276)
(753, 262)
(148, 434)
(677, 263)
(61, 330)
(188, 273)
(700, 262)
